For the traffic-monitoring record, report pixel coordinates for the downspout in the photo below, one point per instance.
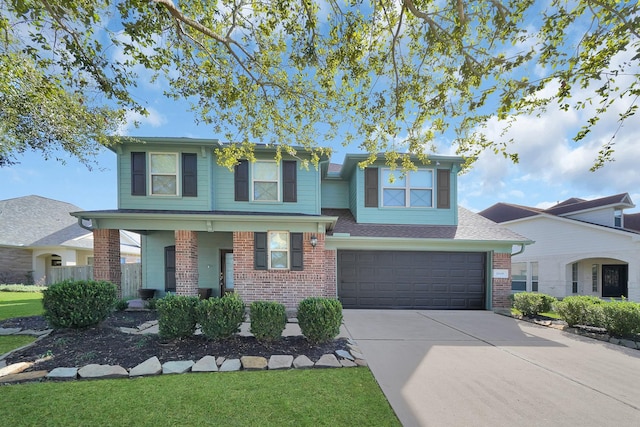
(81, 224)
(520, 251)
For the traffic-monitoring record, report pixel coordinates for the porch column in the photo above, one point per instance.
(186, 262)
(501, 287)
(106, 257)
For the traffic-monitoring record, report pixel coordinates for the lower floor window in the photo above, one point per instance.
(278, 249)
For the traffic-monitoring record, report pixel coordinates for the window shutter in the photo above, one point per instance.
(189, 174)
(290, 180)
(296, 251)
(371, 187)
(138, 174)
(241, 181)
(260, 251)
(444, 190)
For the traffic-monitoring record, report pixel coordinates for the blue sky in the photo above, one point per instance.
(552, 167)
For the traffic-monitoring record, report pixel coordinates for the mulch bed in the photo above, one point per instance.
(105, 344)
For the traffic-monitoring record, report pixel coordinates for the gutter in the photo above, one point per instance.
(81, 224)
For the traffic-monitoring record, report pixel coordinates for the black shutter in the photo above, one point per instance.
(241, 181)
(444, 189)
(260, 251)
(138, 174)
(296, 251)
(189, 174)
(371, 187)
(290, 180)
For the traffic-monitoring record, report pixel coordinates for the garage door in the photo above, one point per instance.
(419, 280)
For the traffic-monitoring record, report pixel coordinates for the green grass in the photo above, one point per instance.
(314, 397)
(11, 342)
(20, 304)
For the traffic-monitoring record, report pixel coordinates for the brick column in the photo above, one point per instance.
(501, 287)
(186, 262)
(106, 257)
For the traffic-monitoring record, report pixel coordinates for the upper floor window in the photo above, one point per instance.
(164, 174)
(415, 189)
(266, 181)
(617, 218)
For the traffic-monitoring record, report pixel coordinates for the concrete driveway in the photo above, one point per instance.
(477, 368)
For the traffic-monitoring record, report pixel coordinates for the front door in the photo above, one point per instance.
(170, 268)
(226, 271)
(614, 281)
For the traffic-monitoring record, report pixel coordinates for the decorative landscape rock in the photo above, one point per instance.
(346, 363)
(628, 343)
(220, 360)
(230, 365)
(361, 362)
(280, 362)
(357, 355)
(150, 366)
(205, 364)
(328, 361)
(9, 331)
(177, 367)
(302, 362)
(23, 376)
(63, 374)
(253, 363)
(344, 354)
(102, 371)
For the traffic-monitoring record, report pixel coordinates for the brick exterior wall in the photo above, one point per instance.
(15, 266)
(106, 253)
(501, 287)
(288, 287)
(186, 262)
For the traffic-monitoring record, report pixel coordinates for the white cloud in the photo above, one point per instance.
(154, 119)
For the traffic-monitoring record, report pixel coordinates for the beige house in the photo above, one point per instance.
(38, 234)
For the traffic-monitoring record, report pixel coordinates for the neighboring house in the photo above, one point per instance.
(272, 230)
(582, 247)
(37, 234)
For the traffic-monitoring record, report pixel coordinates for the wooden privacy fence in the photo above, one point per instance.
(131, 276)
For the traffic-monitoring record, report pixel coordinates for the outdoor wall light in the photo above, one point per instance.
(313, 241)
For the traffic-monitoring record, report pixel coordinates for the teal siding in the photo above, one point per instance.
(402, 215)
(209, 246)
(308, 183)
(200, 203)
(335, 194)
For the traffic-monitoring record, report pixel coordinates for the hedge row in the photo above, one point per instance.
(219, 318)
(618, 318)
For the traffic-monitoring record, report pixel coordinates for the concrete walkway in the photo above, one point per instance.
(462, 368)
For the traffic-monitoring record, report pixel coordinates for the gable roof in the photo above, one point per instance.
(505, 212)
(470, 226)
(37, 221)
(578, 205)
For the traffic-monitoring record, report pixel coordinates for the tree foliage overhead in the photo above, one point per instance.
(389, 76)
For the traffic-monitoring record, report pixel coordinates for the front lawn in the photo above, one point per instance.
(20, 304)
(11, 342)
(347, 396)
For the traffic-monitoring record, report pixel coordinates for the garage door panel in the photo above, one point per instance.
(410, 279)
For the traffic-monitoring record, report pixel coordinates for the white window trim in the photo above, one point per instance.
(177, 175)
(277, 181)
(407, 190)
(288, 250)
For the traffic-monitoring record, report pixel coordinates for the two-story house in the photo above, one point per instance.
(277, 231)
(582, 247)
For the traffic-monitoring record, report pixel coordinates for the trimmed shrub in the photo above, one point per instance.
(122, 304)
(220, 318)
(579, 310)
(79, 303)
(268, 320)
(621, 318)
(319, 318)
(177, 316)
(151, 303)
(533, 303)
